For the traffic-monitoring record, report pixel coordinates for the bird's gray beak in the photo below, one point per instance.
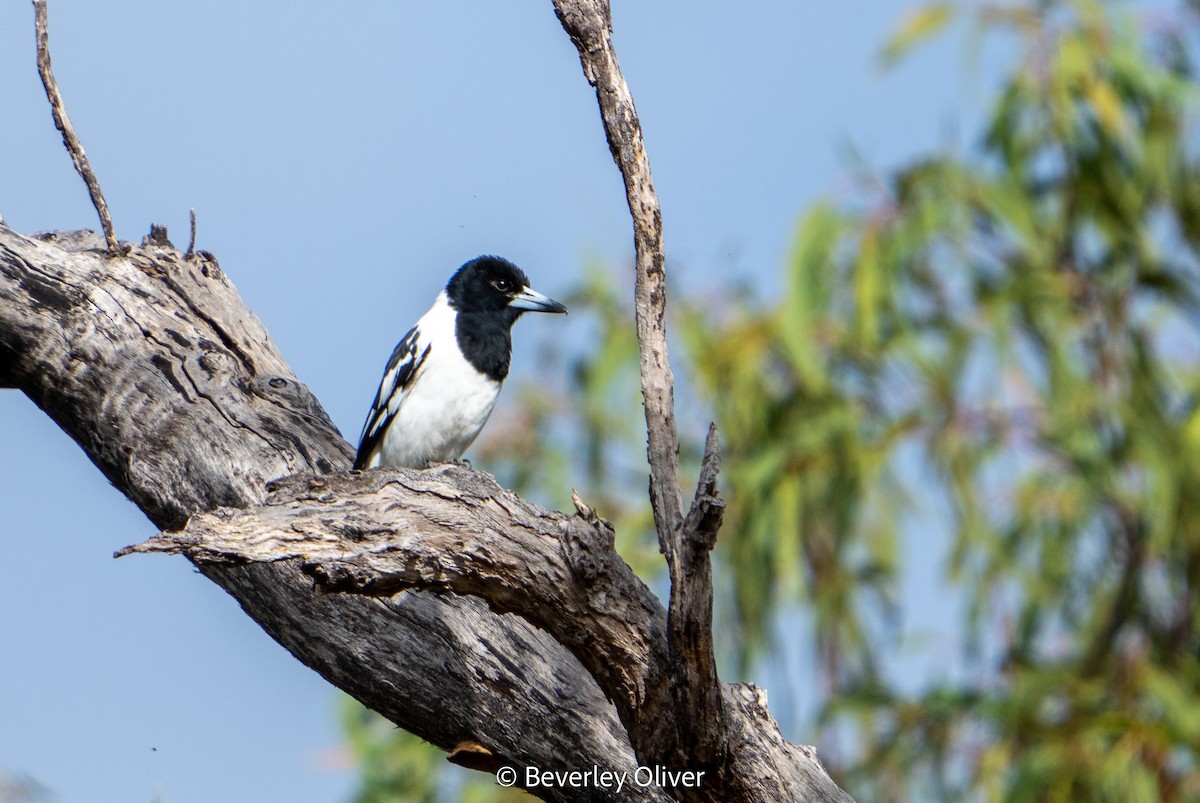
(532, 300)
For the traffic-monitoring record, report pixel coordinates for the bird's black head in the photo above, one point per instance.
(492, 284)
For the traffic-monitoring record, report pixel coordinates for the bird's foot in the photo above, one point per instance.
(459, 462)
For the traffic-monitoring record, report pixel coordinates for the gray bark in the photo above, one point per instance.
(686, 542)
(490, 627)
(178, 395)
(174, 389)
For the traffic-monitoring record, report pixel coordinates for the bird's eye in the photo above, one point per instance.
(502, 285)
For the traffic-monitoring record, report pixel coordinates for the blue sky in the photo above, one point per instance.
(341, 166)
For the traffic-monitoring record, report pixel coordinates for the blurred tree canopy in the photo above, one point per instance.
(988, 361)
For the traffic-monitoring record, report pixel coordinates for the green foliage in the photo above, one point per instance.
(919, 25)
(1003, 347)
(393, 764)
(806, 441)
(1041, 326)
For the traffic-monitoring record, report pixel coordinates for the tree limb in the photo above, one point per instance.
(382, 531)
(699, 715)
(176, 392)
(149, 360)
(697, 688)
(63, 124)
(589, 24)
(178, 395)
(455, 530)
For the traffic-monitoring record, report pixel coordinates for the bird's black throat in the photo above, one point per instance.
(485, 339)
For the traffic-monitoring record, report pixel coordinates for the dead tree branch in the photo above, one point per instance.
(507, 634)
(697, 688)
(178, 394)
(589, 24)
(453, 530)
(686, 544)
(63, 124)
(381, 532)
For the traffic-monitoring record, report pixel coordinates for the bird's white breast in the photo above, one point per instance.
(446, 406)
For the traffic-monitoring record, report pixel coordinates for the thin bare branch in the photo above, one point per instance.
(697, 689)
(63, 124)
(589, 24)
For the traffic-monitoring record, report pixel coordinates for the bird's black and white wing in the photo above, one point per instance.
(402, 368)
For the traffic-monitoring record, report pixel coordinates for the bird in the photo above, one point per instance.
(444, 376)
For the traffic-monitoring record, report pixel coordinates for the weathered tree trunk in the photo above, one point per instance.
(513, 636)
(175, 391)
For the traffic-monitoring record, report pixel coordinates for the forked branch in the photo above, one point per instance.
(151, 362)
(685, 543)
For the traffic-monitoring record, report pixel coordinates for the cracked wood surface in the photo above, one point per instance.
(173, 388)
(151, 362)
(176, 392)
(384, 531)
(390, 529)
